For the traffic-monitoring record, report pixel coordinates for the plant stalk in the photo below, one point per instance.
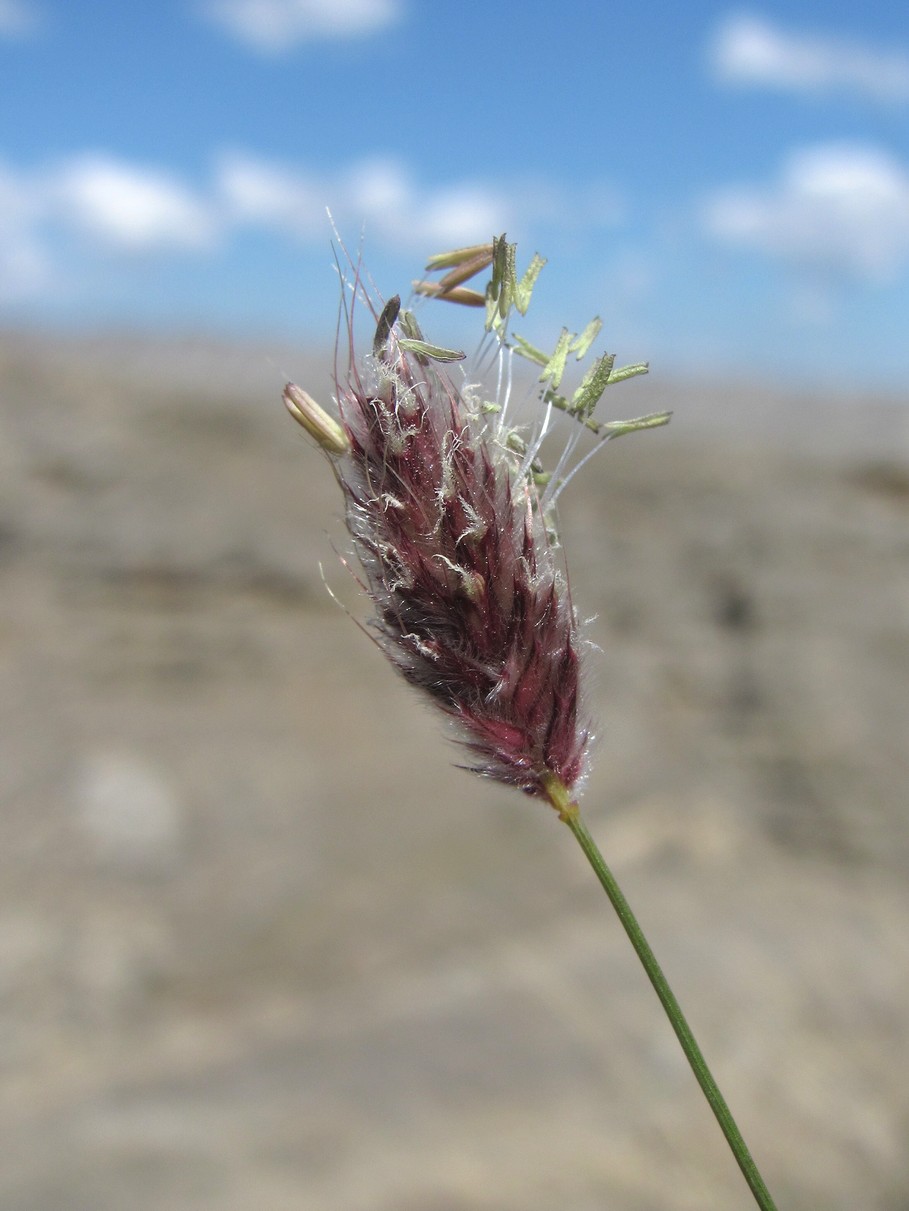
(570, 814)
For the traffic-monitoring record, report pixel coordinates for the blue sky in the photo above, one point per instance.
(728, 187)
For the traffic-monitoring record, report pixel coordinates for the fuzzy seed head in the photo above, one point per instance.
(470, 604)
(451, 514)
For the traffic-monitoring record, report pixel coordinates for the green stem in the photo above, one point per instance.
(570, 814)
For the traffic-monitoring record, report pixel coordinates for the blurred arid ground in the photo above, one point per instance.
(262, 946)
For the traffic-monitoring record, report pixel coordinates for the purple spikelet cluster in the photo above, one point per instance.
(470, 604)
(451, 517)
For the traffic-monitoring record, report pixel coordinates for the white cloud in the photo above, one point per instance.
(19, 19)
(15, 202)
(275, 26)
(272, 195)
(129, 208)
(100, 201)
(457, 214)
(55, 219)
(748, 50)
(382, 193)
(25, 269)
(378, 193)
(94, 201)
(842, 209)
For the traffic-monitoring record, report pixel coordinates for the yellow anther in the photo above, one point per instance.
(315, 420)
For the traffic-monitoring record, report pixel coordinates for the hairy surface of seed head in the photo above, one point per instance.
(470, 603)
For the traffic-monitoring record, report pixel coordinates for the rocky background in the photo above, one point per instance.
(261, 945)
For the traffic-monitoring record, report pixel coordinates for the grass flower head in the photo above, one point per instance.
(452, 520)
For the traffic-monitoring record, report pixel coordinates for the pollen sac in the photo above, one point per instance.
(455, 294)
(315, 420)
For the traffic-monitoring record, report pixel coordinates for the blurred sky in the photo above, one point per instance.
(728, 187)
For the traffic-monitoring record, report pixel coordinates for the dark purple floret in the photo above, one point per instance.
(470, 604)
